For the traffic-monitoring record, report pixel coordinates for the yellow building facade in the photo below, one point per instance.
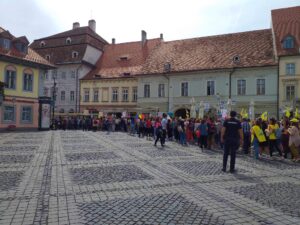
(289, 80)
(113, 96)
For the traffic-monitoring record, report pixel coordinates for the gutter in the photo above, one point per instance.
(277, 110)
(76, 91)
(230, 75)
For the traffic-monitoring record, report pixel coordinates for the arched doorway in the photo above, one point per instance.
(182, 112)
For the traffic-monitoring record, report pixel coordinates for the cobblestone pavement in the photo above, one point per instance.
(75, 177)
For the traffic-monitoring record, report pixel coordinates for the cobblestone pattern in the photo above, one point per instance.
(164, 153)
(91, 156)
(94, 175)
(15, 158)
(201, 168)
(75, 177)
(10, 180)
(82, 147)
(282, 196)
(156, 209)
(18, 148)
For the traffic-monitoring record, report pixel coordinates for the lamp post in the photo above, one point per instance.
(218, 104)
(251, 110)
(53, 98)
(229, 105)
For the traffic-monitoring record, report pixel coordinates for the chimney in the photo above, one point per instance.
(113, 41)
(144, 37)
(76, 25)
(92, 25)
(161, 36)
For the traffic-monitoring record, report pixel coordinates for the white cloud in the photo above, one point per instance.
(124, 19)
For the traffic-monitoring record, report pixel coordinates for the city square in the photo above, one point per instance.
(76, 177)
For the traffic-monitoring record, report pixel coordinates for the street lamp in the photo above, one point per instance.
(53, 98)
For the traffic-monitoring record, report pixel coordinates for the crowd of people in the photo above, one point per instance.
(259, 137)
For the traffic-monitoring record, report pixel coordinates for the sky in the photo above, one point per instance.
(124, 19)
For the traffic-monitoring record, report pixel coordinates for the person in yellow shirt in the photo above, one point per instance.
(259, 139)
(272, 128)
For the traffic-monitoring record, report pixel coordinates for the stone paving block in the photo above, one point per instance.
(109, 174)
(15, 158)
(10, 148)
(201, 168)
(91, 156)
(164, 152)
(166, 209)
(282, 196)
(10, 180)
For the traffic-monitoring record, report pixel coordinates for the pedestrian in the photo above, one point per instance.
(246, 135)
(164, 122)
(273, 126)
(203, 134)
(294, 140)
(159, 133)
(232, 137)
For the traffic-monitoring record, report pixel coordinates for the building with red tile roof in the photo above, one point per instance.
(112, 85)
(21, 70)
(75, 53)
(286, 34)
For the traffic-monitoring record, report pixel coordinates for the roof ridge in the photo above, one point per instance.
(132, 42)
(220, 35)
(285, 8)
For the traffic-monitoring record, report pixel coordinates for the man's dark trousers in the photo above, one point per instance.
(246, 143)
(230, 147)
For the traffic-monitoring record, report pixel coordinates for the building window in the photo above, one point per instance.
(46, 91)
(27, 82)
(10, 78)
(48, 57)
(72, 74)
(260, 86)
(134, 94)
(6, 43)
(210, 87)
(290, 69)
(72, 96)
(288, 42)
(184, 89)
(241, 87)
(86, 95)
(62, 95)
(42, 44)
(74, 54)
(46, 76)
(115, 94)
(147, 91)
(161, 90)
(290, 92)
(125, 94)
(68, 40)
(96, 95)
(26, 114)
(54, 74)
(9, 114)
(63, 75)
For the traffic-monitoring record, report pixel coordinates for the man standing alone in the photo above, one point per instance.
(232, 137)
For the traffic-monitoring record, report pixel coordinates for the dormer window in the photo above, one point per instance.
(6, 43)
(74, 54)
(236, 59)
(126, 74)
(21, 47)
(68, 40)
(42, 44)
(288, 42)
(123, 58)
(47, 57)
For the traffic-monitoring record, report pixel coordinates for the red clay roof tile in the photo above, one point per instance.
(254, 48)
(286, 22)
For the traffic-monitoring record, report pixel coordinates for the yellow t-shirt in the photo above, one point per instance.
(272, 129)
(259, 133)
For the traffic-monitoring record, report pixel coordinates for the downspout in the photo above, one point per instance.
(230, 75)
(77, 103)
(277, 110)
(168, 78)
